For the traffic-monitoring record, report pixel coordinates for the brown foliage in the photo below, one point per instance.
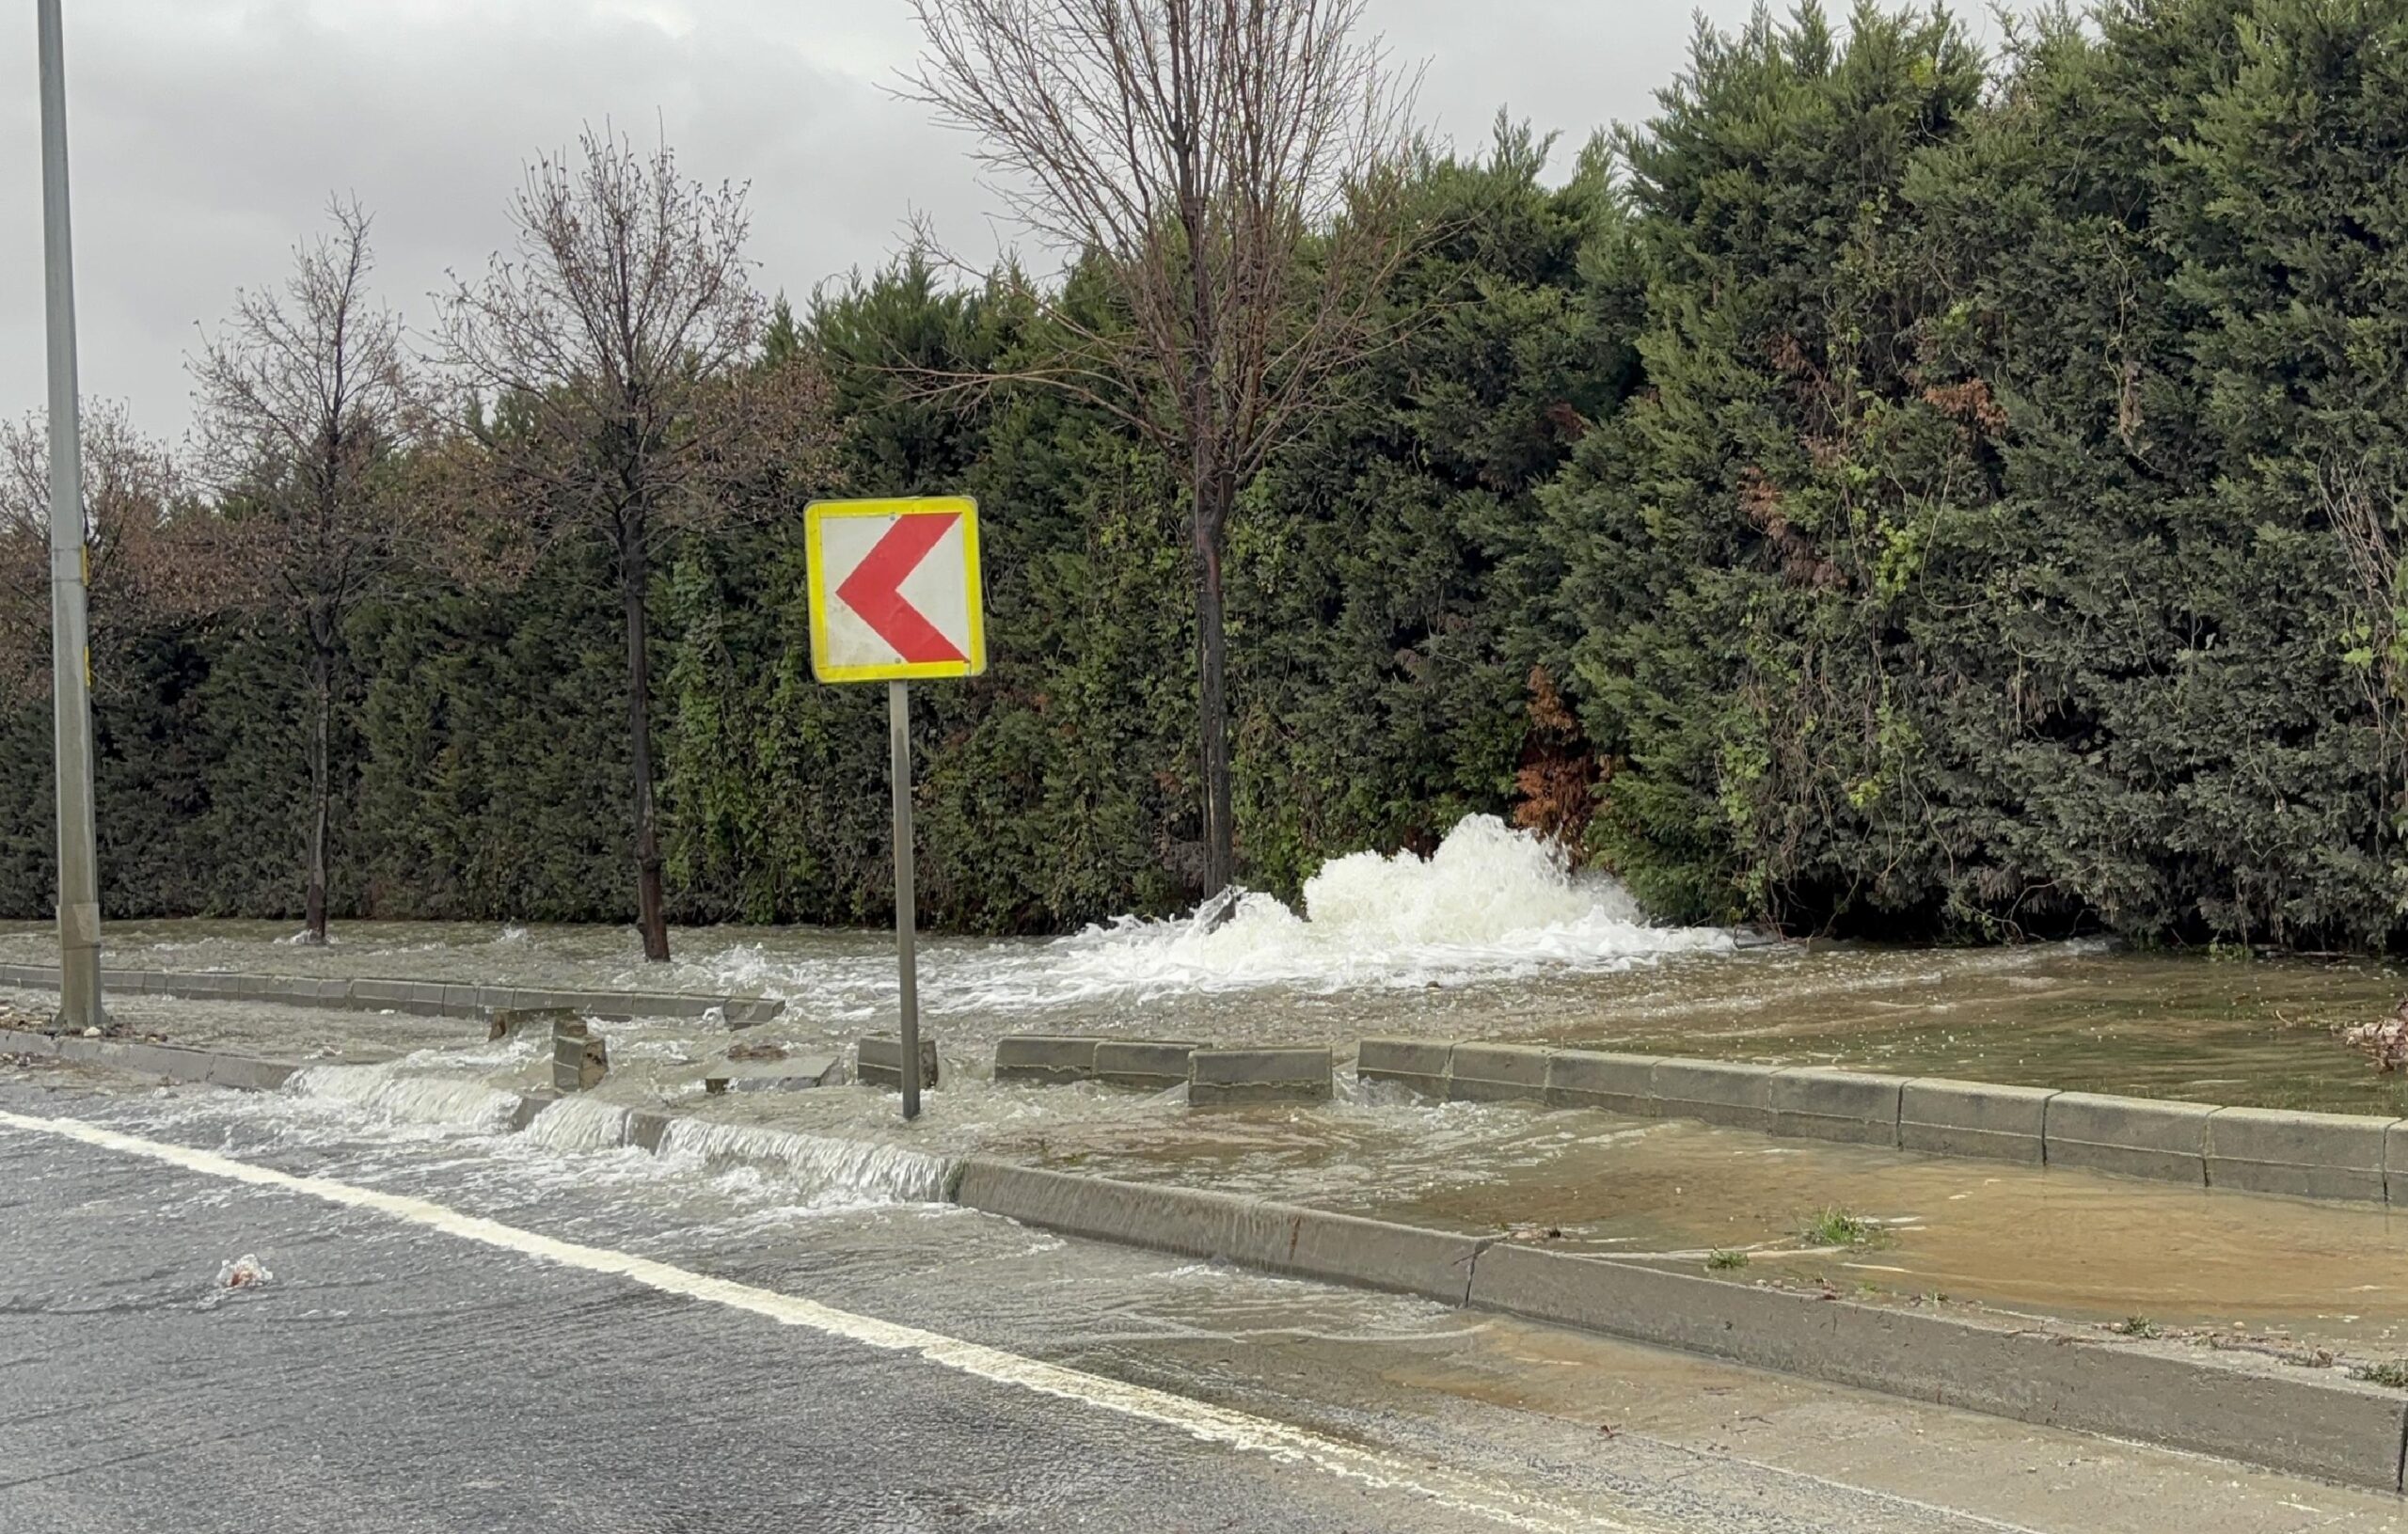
(150, 556)
(1970, 402)
(1559, 774)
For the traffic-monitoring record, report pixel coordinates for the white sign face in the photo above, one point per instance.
(894, 590)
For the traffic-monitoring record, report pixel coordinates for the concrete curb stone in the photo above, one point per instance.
(1496, 1073)
(1419, 1064)
(1591, 1079)
(422, 998)
(1144, 1065)
(1226, 1227)
(1047, 1059)
(2332, 1428)
(2138, 1136)
(1716, 1091)
(1974, 1120)
(14, 1041)
(1252, 1078)
(878, 1061)
(1844, 1105)
(2314, 1155)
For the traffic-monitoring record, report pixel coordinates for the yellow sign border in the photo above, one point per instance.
(962, 506)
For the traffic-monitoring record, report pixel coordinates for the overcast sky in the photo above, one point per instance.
(207, 135)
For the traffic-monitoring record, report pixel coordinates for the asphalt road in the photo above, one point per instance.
(469, 1333)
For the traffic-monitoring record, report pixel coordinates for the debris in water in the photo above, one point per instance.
(244, 1271)
(2386, 1043)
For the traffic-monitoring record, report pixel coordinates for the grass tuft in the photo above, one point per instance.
(1836, 1226)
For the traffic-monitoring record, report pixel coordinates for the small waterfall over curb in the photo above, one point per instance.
(445, 1101)
(828, 1171)
(578, 1123)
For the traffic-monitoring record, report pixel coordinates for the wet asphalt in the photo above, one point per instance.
(393, 1377)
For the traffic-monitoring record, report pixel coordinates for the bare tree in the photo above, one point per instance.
(615, 341)
(1227, 167)
(146, 558)
(305, 405)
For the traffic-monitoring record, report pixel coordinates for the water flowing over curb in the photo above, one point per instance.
(2255, 1410)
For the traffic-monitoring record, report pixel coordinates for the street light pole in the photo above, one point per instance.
(79, 895)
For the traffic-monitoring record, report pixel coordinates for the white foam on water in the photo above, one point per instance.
(445, 1101)
(828, 1173)
(1491, 903)
(580, 1123)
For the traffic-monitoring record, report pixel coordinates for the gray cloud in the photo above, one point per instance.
(207, 135)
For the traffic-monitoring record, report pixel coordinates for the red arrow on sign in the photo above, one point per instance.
(874, 588)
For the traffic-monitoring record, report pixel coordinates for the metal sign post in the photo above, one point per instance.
(79, 891)
(907, 916)
(895, 597)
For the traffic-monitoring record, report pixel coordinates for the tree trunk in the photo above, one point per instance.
(322, 667)
(650, 918)
(1214, 495)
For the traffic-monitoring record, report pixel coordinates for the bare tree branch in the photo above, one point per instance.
(1228, 167)
(305, 405)
(611, 359)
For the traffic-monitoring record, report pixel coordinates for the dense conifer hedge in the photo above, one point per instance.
(1890, 491)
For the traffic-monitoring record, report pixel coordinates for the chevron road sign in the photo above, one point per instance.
(895, 588)
(894, 598)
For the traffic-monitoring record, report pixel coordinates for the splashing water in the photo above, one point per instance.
(580, 1123)
(444, 1101)
(829, 1172)
(1491, 902)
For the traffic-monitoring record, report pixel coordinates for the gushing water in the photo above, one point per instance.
(580, 1123)
(447, 1101)
(827, 1172)
(1491, 902)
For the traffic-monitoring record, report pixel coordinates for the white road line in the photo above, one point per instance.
(1211, 1424)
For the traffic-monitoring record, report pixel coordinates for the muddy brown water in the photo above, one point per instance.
(2074, 1015)
(2074, 1244)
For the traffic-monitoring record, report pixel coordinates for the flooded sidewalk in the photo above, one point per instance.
(2074, 1017)
(1491, 939)
(2083, 1249)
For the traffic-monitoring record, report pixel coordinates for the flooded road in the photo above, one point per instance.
(1490, 938)
(824, 1193)
(390, 1375)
